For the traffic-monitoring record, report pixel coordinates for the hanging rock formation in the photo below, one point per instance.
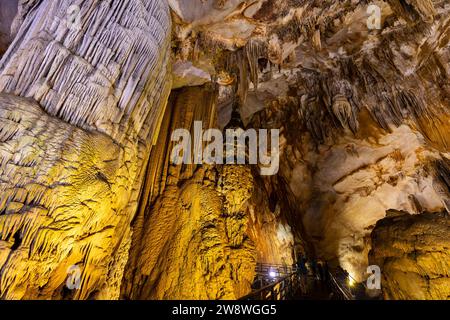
(71, 160)
(91, 92)
(363, 113)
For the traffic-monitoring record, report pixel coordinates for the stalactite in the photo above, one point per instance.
(71, 167)
(85, 142)
(255, 50)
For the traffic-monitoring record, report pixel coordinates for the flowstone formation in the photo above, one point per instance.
(91, 92)
(363, 108)
(193, 248)
(72, 153)
(190, 240)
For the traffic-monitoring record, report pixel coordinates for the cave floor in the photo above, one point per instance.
(315, 290)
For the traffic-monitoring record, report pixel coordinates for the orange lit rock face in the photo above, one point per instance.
(193, 248)
(62, 200)
(71, 159)
(363, 113)
(412, 251)
(277, 240)
(85, 177)
(190, 241)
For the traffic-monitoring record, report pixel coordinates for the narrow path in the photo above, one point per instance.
(287, 283)
(315, 290)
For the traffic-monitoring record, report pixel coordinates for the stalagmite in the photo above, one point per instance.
(71, 161)
(200, 210)
(92, 205)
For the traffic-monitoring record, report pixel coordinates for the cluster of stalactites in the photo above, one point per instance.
(102, 57)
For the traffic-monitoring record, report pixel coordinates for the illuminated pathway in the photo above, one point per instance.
(275, 282)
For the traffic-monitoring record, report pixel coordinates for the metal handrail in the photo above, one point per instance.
(282, 289)
(288, 285)
(264, 268)
(343, 292)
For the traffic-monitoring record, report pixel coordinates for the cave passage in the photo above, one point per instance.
(224, 150)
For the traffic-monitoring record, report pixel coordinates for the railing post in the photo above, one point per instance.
(285, 288)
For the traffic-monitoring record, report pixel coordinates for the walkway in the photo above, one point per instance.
(275, 282)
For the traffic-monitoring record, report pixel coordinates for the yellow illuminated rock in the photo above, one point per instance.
(412, 252)
(91, 206)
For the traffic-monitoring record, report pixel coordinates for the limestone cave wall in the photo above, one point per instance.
(364, 113)
(413, 252)
(91, 92)
(80, 105)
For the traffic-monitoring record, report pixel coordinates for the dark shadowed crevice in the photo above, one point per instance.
(8, 10)
(17, 240)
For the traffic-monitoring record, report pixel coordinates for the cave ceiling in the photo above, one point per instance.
(91, 93)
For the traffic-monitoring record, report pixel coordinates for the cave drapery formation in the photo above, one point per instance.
(87, 109)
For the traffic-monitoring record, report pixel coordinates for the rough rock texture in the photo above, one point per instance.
(71, 162)
(364, 114)
(85, 177)
(8, 10)
(76, 154)
(190, 238)
(413, 253)
(276, 242)
(346, 187)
